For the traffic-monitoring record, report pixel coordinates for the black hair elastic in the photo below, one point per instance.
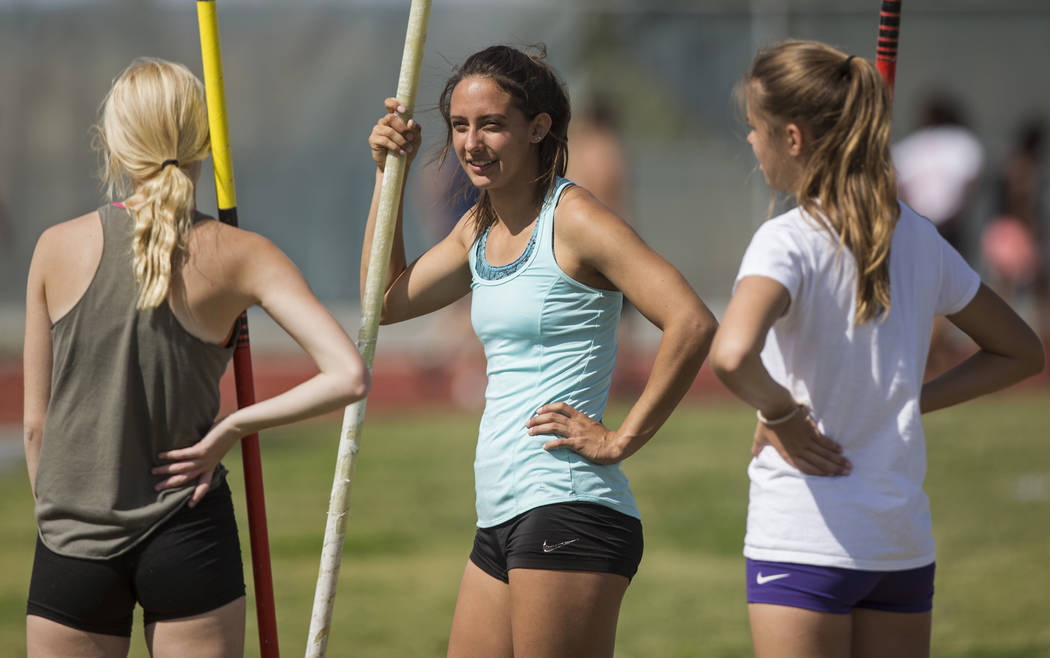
(845, 69)
(169, 162)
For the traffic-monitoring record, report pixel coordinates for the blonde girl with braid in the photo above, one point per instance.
(826, 335)
(130, 311)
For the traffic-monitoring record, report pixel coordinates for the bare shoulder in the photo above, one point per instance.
(462, 234)
(582, 219)
(76, 231)
(212, 239)
(238, 261)
(73, 243)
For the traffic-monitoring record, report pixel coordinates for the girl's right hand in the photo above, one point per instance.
(392, 134)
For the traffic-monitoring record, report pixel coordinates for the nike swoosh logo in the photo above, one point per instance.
(547, 548)
(762, 580)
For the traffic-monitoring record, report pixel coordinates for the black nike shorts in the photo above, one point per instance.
(561, 537)
(190, 565)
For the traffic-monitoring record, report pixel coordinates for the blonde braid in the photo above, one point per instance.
(154, 113)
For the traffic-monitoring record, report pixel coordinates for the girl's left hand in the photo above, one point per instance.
(578, 431)
(197, 462)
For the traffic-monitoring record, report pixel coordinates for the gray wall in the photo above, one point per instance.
(304, 86)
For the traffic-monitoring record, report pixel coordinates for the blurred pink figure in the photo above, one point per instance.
(1014, 244)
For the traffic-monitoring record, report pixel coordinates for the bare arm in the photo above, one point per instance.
(284, 294)
(438, 277)
(587, 232)
(1009, 352)
(736, 358)
(267, 276)
(36, 360)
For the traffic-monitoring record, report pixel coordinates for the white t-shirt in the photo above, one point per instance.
(862, 384)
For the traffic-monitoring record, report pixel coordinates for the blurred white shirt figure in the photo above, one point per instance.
(936, 168)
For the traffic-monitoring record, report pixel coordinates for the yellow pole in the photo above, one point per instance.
(215, 90)
(222, 160)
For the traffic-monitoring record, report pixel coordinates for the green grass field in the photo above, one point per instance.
(412, 518)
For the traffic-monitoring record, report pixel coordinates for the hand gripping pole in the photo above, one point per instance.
(375, 280)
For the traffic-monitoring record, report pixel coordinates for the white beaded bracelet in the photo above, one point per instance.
(779, 421)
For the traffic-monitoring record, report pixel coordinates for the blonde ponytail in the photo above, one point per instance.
(843, 105)
(154, 125)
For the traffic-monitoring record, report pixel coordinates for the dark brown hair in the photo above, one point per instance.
(534, 89)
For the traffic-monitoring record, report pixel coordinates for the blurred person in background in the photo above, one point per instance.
(559, 534)
(938, 168)
(599, 165)
(131, 316)
(1014, 246)
(826, 335)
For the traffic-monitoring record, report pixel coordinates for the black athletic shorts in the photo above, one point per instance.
(561, 537)
(190, 565)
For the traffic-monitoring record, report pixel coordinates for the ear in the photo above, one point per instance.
(539, 127)
(795, 139)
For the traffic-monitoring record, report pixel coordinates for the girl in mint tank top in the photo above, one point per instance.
(548, 266)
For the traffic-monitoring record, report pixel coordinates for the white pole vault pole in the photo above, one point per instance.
(372, 304)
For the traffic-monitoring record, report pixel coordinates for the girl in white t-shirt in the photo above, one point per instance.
(827, 335)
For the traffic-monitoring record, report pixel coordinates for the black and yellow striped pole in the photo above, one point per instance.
(371, 306)
(211, 54)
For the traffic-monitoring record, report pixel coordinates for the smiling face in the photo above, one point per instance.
(495, 143)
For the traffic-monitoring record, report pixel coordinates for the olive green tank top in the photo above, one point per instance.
(126, 384)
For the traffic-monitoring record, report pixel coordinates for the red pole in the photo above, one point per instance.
(889, 37)
(265, 608)
(222, 161)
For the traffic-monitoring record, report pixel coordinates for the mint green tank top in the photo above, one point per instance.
(126, 384)
(547, 338)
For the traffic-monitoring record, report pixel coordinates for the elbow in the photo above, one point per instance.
(728, 357)
(1028, 356)
(696, 326)
(350, 384)
(357, 386)
(706, 328)
(32, 433)
(1034, 358)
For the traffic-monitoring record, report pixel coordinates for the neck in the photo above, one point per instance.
(516, 209)
(515, 204)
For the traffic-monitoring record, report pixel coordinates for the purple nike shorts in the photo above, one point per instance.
(837, 590)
